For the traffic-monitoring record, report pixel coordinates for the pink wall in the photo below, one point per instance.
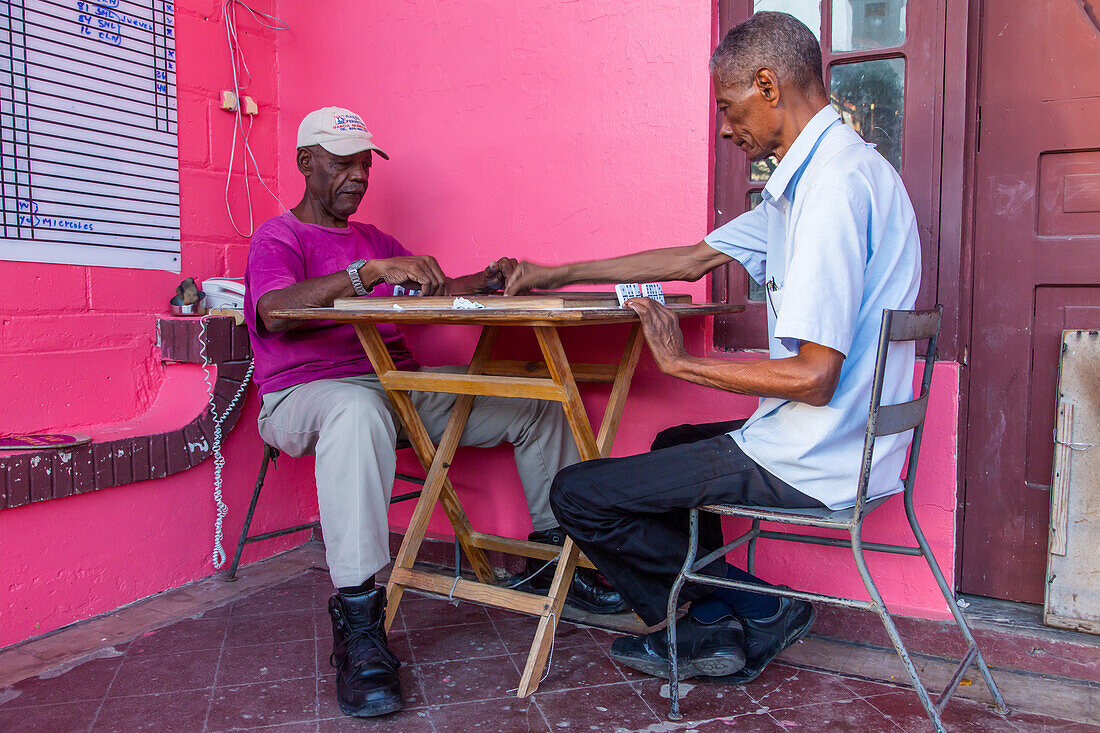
(558, 131)
(549, 131)
(77, 349)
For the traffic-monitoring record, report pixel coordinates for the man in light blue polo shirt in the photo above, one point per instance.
(834, 242)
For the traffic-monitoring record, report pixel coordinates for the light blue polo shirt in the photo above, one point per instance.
(834, 241)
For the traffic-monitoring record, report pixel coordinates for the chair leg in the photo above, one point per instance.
(960, 620)
(892, 631)
(670, 616)
(751, 566)
(232, 575)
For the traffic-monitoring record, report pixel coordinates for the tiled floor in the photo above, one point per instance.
(262, 662)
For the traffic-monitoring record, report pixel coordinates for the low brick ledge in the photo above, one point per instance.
(52, 473)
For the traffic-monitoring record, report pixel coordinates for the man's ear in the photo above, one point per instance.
(766, 83)
(305, 161)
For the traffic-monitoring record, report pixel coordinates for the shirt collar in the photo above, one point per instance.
(799, 153)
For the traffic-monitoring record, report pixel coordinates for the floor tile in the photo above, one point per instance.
(423, 613)
(517, 635)
(405, 721)
(604, 638)
(843, 715)
(299, 596)
(748, 723)
(65, 718)
(268, 703)
(262, 663)
(467, 680)
(574, 667)
(170, 712)
(600, 708)
(446, 643)
(506, 715)
(86, 637)
(87, 681)
(148, 674)
(221, 611)
(780, 686)
(270, 628)
(18, 664)
(870, 688)
(905, 710)
(699, 702)
(305, 726)
(267, 663)
(189, 635)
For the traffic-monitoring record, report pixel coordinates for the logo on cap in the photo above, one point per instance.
(348, 122)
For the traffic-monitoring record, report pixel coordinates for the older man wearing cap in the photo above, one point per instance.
(320, 395)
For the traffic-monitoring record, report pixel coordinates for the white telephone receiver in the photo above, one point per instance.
(224, 292)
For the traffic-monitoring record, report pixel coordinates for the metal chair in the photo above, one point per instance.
(271, 455)
(882, 420)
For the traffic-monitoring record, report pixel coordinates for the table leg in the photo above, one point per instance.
(614, 412)
(558, 365)
(437, 487)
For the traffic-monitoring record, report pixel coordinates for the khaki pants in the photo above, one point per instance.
(351, 428)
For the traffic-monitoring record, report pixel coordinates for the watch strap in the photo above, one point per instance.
(353, 273)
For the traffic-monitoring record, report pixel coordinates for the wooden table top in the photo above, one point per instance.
(498, 316)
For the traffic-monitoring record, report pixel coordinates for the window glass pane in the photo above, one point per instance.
(756, 291)
(862, 24)
(761, 170)
(870, 97)
(808, 11)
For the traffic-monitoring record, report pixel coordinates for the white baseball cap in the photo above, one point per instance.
(339, 131)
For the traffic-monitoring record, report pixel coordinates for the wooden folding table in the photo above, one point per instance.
(554, 379)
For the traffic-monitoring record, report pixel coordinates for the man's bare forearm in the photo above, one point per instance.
(670, 263)
(810, 376)
(792, 378)
(316, 292)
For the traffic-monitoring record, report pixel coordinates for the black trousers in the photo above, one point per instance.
(630, 515)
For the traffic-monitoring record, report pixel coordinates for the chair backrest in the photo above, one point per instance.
(899, 325)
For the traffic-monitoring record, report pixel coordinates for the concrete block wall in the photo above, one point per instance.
(78, 349)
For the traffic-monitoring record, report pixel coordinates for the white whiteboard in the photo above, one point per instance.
(89, 171)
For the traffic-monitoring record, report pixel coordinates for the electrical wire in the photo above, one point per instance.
(241, 80)
(221, 509)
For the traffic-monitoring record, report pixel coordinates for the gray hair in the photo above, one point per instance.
(774, 40)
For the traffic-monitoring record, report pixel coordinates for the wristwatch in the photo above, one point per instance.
(353, 273)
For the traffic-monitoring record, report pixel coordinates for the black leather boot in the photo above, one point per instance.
(714, 650)
(589, 592)
(366, 678)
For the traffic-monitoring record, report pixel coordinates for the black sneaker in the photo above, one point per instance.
(766, 638)
(589, 591)
(366, 678)
(708, 650)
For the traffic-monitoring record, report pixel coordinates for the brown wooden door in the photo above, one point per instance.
(1036, 272)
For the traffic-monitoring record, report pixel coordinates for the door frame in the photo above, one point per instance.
(956, 215)
(962, 46)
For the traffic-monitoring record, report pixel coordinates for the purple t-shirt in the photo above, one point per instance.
(285, 251)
